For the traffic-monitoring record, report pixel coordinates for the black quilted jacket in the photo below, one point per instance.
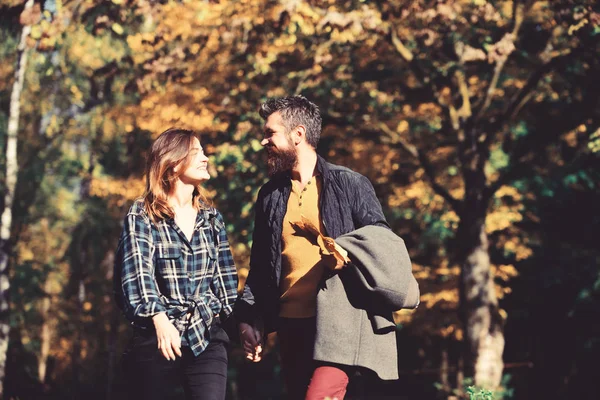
(348, 202)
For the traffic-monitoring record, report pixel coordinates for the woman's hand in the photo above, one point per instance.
(251, 338)
(169, 342)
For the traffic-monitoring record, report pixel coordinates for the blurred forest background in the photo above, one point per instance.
(477, 121)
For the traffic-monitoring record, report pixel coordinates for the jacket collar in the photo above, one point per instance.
(322, 167)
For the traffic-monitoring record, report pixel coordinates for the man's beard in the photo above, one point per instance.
(281, 160)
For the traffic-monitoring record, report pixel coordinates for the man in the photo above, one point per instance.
(330, 315)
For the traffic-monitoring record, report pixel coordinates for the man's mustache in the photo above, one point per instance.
(271, 149)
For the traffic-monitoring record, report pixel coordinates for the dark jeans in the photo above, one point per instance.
(151, 376)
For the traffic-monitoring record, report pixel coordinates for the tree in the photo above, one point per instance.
(58, 110)
(29, 16)
(483, 96)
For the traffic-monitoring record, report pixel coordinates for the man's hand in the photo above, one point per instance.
(336, 256)
(251, 338)
(334, 263)
(169, 341)
(336, 252)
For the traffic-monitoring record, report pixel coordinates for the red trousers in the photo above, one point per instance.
(305, 378)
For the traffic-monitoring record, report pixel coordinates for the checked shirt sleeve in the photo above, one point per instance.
(225, 281)
(141, 298)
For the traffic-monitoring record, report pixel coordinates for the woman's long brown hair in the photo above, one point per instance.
(169, 150)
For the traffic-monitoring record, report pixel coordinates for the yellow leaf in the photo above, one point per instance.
(118, 29)
(36, 32)
(402, 126)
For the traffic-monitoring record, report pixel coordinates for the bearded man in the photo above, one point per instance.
(326, 272)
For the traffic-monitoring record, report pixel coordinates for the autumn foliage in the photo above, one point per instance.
(478, 123)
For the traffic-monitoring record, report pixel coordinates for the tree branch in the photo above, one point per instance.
(425, 164)
(518, 14)
(413, 65)
(522, 96)
(464, 112)
(400, 48)
(548, 131)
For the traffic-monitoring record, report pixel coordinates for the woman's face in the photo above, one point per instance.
(196, 170)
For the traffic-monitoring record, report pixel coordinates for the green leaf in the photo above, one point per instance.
(584, 294)
(499, 159)
(570, 179)
(520, 130)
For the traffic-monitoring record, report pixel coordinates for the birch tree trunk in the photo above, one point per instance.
(12, 170)
(46, 334)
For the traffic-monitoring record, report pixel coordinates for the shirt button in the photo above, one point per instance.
(300, 203)
(190, 275)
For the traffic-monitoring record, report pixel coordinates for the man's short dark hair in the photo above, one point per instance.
(296, 110)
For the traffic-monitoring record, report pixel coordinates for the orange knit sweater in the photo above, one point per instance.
(302, 262)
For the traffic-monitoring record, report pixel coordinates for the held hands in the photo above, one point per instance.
(169, 341)
(251, 338)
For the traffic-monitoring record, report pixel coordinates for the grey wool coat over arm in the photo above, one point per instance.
(345, 333)
(354, 307)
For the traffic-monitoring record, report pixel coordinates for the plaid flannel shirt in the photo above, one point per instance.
(158, 270)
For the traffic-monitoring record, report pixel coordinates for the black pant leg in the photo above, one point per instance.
(205, 375)
(296, 345)
(149, 374)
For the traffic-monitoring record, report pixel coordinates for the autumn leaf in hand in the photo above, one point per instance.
(328, 245)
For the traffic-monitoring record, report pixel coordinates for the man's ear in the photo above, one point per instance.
(299, 134)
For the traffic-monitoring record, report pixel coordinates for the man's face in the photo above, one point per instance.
(281, 152)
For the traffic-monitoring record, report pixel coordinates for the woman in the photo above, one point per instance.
(175, 279)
